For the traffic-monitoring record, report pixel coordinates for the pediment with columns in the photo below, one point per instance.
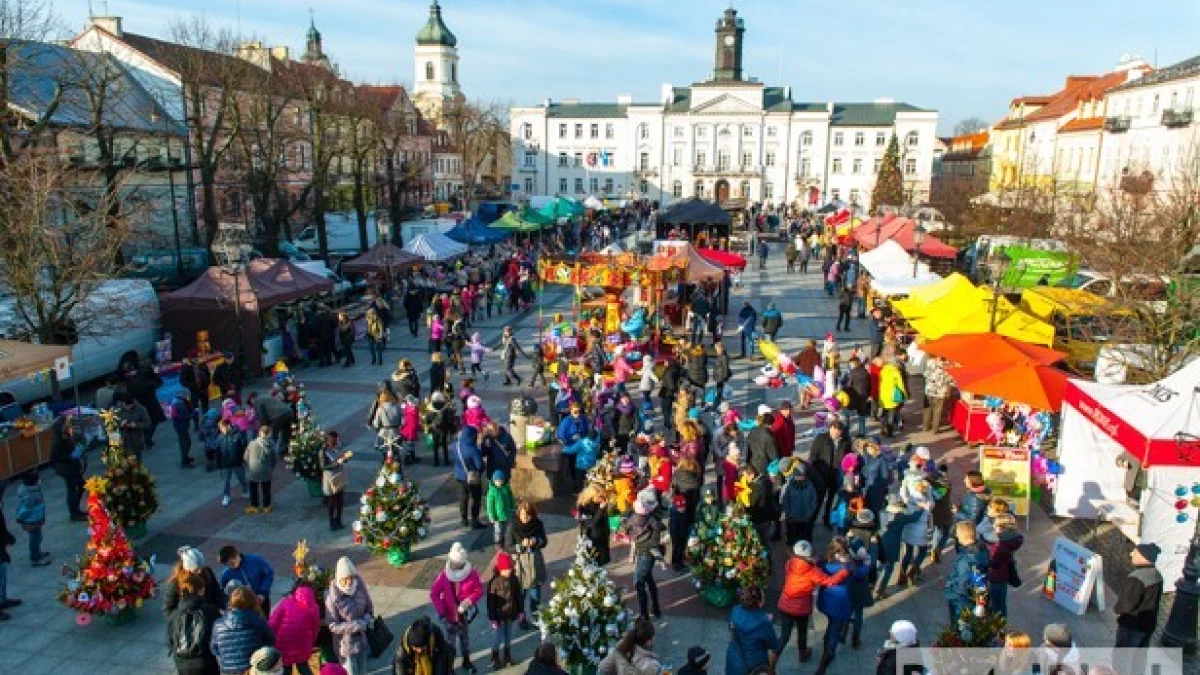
(726, 104)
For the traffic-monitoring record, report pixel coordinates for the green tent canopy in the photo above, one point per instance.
(513, 223)
(562, 207)
(536, 217)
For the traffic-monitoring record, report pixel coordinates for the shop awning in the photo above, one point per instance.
(380, 259)
(902, 231)
(475, 231)
(724, 258)
(513, 223)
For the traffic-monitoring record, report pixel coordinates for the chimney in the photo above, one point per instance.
(112, 24)
(624, 99)
(667, 94)
(829, 107)
(787, 92)
(254, 52)
(280, 53)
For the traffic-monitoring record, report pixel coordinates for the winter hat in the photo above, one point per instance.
(764, 409)
(803, 549)
(1149, 552)
(191, 558)
(646, 503)
(503, 562)
(679, 501)
(474, 402)
(457, 558)
(1057, 635)
(922, 452)
(438, 397)
(785, 405)
(697, 656)
(498, 475)
(904, 633)
(724, 407)
(865, 517)
(266, 660)
(417, 636)
(345, 568)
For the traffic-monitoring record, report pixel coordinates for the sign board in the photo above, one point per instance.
(1008, 473)
(1075, 574)
(62, 368)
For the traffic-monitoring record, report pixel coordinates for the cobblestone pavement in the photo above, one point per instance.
(42, 636)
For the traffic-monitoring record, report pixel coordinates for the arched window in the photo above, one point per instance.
(911, 139)
(806, 138)
(429, 70)
(454, 73)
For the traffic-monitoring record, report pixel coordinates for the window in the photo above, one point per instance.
(527, 131)
(701, 158)
(1187, 99)
(835, 194)
(698, 189)
(429, 70)
(301, 155)
(880, 138)
(747, 158)
(608, 186)
(910, 167)
(578, 159)
(856, 166)
(643, 187)
(679, 134)
(609, 131)
(860, 138)
(677, 187)
(838, 139)
(837, 166)
(769, 160)
(701, 132)
(578, 131)
(579, 186)
(595, 131)
(805, 167)
(454, 73)
(806, 138)
(530, 159)
(877, 165)
(747, 132)
(643, 131)
(744, 189)
(912, 139)
(1154, 105)
(594, 184)
(562, 159)
(644, 161)
(723, 160)
(768, 190)
(677, 156)
(562, 131)
(529, 185)
(771, 132)
(854, 195)
(562, 185)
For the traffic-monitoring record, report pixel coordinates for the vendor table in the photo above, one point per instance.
(969, 421)
(20, 453)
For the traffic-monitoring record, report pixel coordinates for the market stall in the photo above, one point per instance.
(435, 247)
(25, 440)
(954, 305)
(473, 231)
(890, 227)
(701, 222)
(1131, 454)
(382, 259)
(225, 306)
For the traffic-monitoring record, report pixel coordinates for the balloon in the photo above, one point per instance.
(1181, 518)
(814, 389)
(843, 398)
(1181, 504)
(761, 380)
(803, 380)
(1180, 491)
(1196, 488)
(769, 350)
(832, 404)
(1196, 501)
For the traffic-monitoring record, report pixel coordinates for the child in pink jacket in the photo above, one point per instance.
(475, 415)
(454, 596)
(410, 426)
(295, 622)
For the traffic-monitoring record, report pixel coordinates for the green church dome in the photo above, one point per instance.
(435, 31)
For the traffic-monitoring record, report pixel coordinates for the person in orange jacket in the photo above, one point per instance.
(801, 577)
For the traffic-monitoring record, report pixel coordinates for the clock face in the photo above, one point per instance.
(728, 40)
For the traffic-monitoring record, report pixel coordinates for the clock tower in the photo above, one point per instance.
(730, 30)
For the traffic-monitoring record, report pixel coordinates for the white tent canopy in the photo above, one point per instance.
(903, 285)
(891, 270)
(1111, 433)
(594, 203)
(435, 247)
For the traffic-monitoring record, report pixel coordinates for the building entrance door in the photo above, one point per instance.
(721, 191)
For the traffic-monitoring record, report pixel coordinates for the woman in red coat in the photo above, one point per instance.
(873, 370)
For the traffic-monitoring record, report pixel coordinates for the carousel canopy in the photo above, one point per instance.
(435, 247)
(382, 257)
(695, 211)
(475, 231)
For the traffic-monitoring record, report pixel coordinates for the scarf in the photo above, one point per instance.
(423, 663)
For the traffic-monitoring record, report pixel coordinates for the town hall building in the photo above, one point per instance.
(727, 138)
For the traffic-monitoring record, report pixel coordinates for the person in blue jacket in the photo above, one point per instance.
(501, 449)
(752, 641)
(467, 460)
(747, 320)
(894, 519)
(239, 633)
(248, 570)
(835, 601)
(572, 430)
(969, 571)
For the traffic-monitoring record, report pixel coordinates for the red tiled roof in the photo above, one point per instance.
(201, 65)
(1035, 100)
(972, 141)
(1078, 88)
(1083, 124)
(1010, 123)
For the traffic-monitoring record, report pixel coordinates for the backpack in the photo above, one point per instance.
(191, 634)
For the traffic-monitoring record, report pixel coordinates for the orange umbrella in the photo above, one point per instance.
(976, 349)
(1023, 381)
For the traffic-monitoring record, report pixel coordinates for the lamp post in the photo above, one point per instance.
(918, 239)
(1180, 630)
(235, 267)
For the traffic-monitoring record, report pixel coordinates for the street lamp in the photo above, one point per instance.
(918, 239)
(1180, 630)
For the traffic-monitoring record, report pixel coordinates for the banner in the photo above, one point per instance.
(1007, 472)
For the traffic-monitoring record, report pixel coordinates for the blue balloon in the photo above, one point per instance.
(1180, 491)
(1181, 518)
(1196, 488)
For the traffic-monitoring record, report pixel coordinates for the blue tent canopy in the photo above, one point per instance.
(474, 231)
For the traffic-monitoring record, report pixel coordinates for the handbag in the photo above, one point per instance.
(379, 636)
(1014, 579)
(473, 476)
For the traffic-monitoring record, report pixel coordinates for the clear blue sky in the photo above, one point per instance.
(961, 57)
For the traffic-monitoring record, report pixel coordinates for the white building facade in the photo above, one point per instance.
(726, 138)
(1151, 129)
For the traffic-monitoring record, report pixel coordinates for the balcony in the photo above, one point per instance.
(527, 169)
(1174, 118)
(646, 172)
(743, 170)
(1117, 125)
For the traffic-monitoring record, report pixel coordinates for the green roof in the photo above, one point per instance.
(776, 100)
(435, 32)
(586, 110)
(869, 114)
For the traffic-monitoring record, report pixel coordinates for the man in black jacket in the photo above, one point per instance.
(423, 640)
(824, 458)
(859, 388)
(761, 449)
(1137, 601)
(722, 373)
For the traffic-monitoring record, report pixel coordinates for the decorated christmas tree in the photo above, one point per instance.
(393, 516)
(585, 617)
(977, 625)
(109, 578)
(303, 456)
(724, 552)
(304, 569)
(130, 495)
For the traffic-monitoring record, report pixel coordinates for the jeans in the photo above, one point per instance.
(941, 536)
(833, 635)
(643, 583)
(35, 544)
(469, 500)
(998, 597)
(843, 317)
(786, 623)
(913, 556)
(498, 530)
(185, 444)
(334, 503)
(502, 636)
(458, 633)
(263, 488)
(1126, 660)
(861, 304)
(414, 324)
(534, 595)
(856, 623)
(356, 664)
(228, 474)
(744, 337)
(74, 485)
(885, 575)
(375, 348)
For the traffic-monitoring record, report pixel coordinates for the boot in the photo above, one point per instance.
(466, 665)
(914, 575)
(805, 655)
(826, 659)
(937, 556)
(496, 665)
(902, 580)
(508, 659)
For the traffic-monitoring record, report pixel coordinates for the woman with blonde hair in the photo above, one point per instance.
(1016, 657)
(591, 512)
(679, 412)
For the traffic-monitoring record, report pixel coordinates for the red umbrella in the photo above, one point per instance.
(976, 349)
(725, 258)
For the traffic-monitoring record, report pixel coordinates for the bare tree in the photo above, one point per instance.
(360, 143)
(474, 130)
(326, 99)
(970, 125)
(397, 125)
(33, 20)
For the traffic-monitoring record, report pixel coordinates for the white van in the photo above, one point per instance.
(126, 324)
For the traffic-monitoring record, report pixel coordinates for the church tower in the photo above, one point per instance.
(728, 62)
(435, 60)
(313, 52)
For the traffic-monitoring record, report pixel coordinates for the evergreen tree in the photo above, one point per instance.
(889, 183)
(109, 577)
(393, 516)
(304, 452)
(724, 551)
(586, 617)
(130, 496)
